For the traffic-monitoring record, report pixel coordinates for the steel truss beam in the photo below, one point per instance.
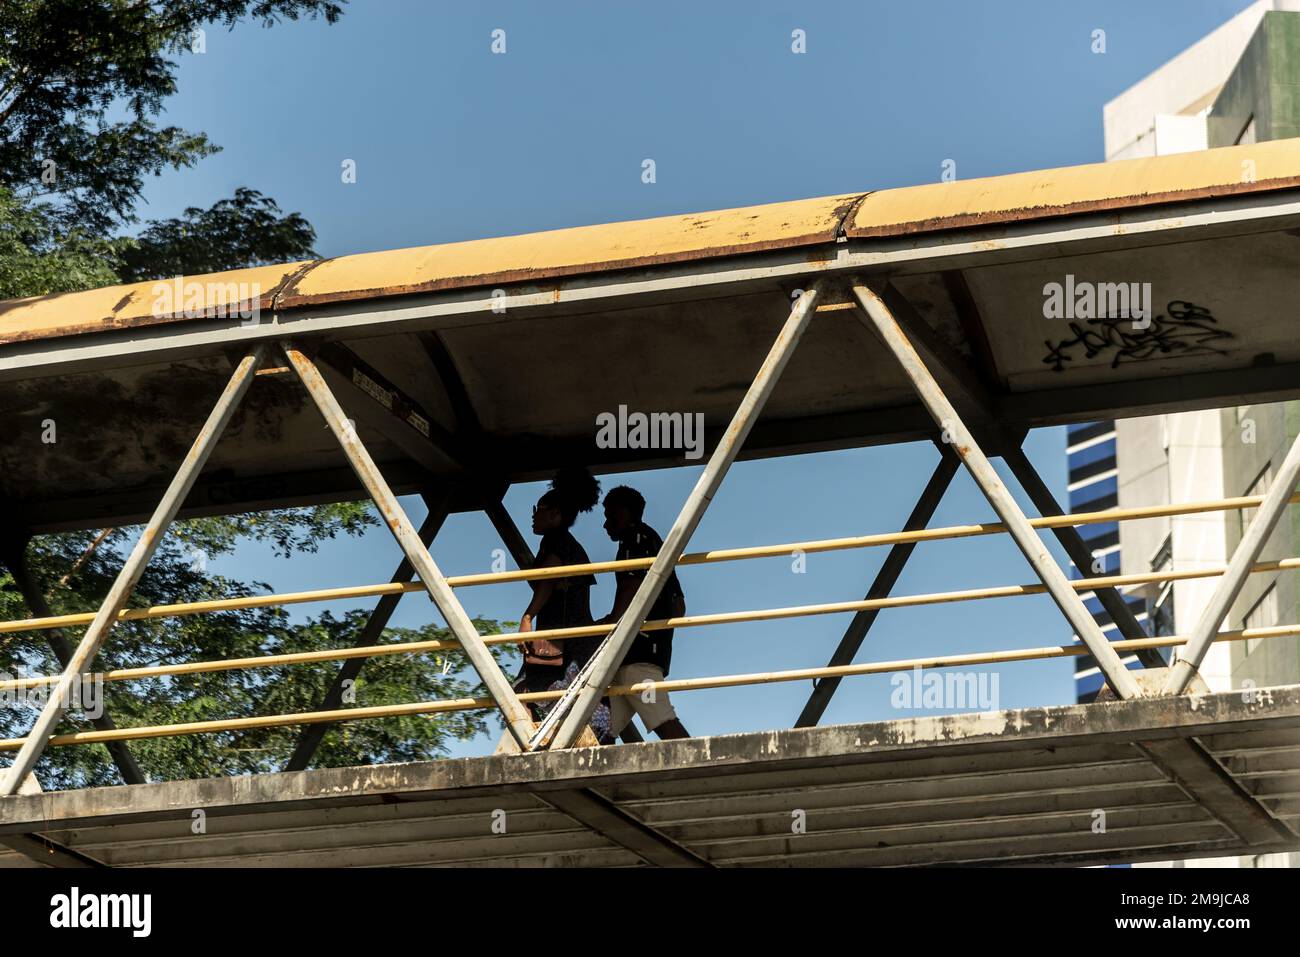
(591, 809)
(402, 421)
(379, 404)
(15, 558)
(883, 584)
(573, 711)
(1234, 578)
(312, 735)
(516, 715)
(439, 507)
(969, 396)
(187, 473)
(511, 537)
(120, 592)
(1110, 598)
(899, 554)
(876, 315)
(46, 853)
(963, 389)
(968, 392)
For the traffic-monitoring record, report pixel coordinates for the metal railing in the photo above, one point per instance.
(687, 621)
(954, 399)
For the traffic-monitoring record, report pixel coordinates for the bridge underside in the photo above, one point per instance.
(1145, 779)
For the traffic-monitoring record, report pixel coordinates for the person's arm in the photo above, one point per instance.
(542, 590)
(627, 586)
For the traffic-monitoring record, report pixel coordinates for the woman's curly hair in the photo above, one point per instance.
(573, 491)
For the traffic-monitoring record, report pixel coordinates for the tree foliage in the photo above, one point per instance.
(82, 84)
(247, 229)
(175, 576)
(82, 88)
(37, 256)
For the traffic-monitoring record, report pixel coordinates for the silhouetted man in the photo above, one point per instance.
(651, 652)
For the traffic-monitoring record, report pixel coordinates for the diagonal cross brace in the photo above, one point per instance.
(1109, 597)
(517, 718)
(438, 504)
(16, 561)
(573, 711)
(402, 421)
(968, 394)
(312, 735)
(124, 584)
(1234, 578)
(884, 583)
(877, 316)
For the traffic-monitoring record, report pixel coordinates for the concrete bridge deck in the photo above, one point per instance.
(1186, 776)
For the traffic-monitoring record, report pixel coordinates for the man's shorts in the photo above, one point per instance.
(653, 713)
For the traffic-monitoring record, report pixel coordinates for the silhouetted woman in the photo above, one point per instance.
(561, 602)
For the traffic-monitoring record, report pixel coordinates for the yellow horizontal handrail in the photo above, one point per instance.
(687, 621)
(694, 558)
(680, 684)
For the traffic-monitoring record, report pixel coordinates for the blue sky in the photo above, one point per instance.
(452, 142)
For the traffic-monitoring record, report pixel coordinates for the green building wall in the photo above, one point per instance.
(1264, 87)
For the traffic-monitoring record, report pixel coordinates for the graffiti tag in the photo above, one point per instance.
(1187, 329)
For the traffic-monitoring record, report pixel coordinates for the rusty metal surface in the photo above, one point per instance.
(557, 254)
(570, 252)
(134, 415)
(696, 331)
(1120, 185)
(133, 305)
(536, 256)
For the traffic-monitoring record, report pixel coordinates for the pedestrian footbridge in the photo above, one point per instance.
(928, 313)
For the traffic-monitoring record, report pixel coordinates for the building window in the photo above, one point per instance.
(1263, 482)
(1262, 614)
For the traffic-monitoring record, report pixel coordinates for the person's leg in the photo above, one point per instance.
(656, 710)
(630, 733)
(545, 678)
(672, 728)
(533, 678)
